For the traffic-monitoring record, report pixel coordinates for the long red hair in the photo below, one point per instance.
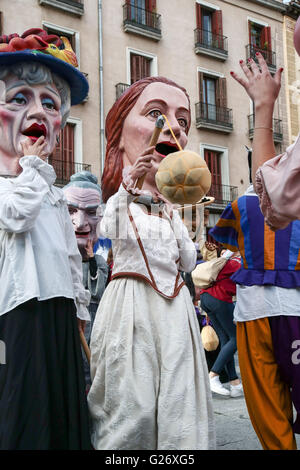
(113, 166)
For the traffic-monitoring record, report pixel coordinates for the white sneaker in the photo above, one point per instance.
(217, 387)
(236, 390)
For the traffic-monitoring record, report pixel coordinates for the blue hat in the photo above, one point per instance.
(47, 55)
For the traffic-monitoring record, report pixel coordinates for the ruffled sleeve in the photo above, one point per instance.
(21, 197)
(277, 186)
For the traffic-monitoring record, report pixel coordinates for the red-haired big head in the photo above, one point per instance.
(131, 121)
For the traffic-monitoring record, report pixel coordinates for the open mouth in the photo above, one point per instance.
(82, 234)
(164, 148)
(35, 131)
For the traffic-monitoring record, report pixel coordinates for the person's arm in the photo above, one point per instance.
(263, 89)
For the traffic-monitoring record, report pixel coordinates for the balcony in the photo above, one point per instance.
(210, 116)
(223, 193)
(64, 170)
(120, 88)
(75, 7)
(277, 128)
(269, 56)
(214, 45)
(142, 22)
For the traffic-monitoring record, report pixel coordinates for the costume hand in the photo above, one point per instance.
(142, 164)
(35, 148)
(89, 248)
(259, 84)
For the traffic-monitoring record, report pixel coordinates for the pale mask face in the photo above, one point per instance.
(157, 98)
(84, 206)
(29, 111)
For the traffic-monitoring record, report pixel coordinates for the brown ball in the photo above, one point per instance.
(183, 177)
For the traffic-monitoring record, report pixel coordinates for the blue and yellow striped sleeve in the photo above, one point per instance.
(226, 229)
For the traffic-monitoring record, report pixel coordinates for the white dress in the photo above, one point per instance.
(150, 387)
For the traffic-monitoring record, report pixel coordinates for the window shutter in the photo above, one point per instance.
(250, 36)
(139, 67)
(128, 9)
(63, 155)
(221, 93)
(201, 91)
(214, 164)
(198, 16)
(266, 38)
(217, 28)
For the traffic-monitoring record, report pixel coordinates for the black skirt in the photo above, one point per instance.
(42, 388)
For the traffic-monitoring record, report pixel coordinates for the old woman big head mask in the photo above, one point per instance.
(84, 202)
(38, 84)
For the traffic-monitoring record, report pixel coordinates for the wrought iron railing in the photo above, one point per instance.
(210, 40)
(120, 88)
(223, 193)
(141, 17)
(268, 55)
(277, 128)
(212, 114)
(64, 170)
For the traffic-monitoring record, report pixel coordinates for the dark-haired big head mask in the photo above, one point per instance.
(85, 210)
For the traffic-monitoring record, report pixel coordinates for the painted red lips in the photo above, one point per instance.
(35, 131)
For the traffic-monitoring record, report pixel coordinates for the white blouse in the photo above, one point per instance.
(39, 257)
(150, 247)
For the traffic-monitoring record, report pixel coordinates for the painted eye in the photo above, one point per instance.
(19, 99)
(155, 113)
(71, 209)
(183, 123)
(48, 103)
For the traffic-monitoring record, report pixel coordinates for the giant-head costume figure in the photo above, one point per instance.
(130, 124)
(84, 200)
(38, 84)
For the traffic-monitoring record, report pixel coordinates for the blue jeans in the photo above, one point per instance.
(221, 316)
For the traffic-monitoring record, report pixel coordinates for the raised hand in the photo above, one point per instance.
(35, 148)
(259, 84)
(263, 89)
(142, 164)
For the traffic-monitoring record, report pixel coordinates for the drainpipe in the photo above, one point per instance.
(101, 84)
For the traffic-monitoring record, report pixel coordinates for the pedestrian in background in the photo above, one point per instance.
(217, 302)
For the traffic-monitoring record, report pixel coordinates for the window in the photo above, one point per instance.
(260, 36)
(72, 35)
(141, 11)
(213, 95)
(1, 23)
(140, 67)
(209, 26)
(213, 161)
(58, 32)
